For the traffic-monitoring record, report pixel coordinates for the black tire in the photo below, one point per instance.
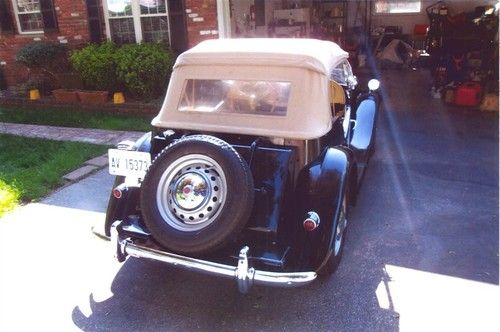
(197, 195)
(335, 254)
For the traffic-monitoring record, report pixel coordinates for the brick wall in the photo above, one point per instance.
(73, 31)
(201, 20)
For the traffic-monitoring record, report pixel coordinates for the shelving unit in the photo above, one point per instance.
(329, 20)
(298, 23)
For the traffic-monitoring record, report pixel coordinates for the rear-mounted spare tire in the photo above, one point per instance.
(197, 195)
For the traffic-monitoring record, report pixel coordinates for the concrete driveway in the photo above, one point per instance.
(421, 253)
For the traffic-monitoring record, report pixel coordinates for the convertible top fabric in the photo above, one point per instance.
(306, 63)
(317, 55)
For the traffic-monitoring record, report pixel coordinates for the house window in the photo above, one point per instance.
(397, 6)
(34, 16)
(29, 16)
(133, 21)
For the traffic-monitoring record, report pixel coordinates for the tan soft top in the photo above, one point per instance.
(317, 55)
(305, 63)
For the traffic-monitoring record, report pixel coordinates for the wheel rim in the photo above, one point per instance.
(341, 225)
(191, 192)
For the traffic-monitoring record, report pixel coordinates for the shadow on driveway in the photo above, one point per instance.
(421, 253)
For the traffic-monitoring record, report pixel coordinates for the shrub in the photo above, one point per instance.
(96, 66)
(44, 61)
(144, 68)
(46, 56)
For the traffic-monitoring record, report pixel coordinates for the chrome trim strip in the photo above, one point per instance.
(243, 273)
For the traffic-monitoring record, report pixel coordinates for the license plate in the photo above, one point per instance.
(128, 163)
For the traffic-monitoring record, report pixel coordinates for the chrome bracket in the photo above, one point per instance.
(117, 245)
(244, 273)
(126, 145)
(353, 123)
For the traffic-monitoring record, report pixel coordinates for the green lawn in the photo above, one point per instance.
(30, 168)
(75, 118)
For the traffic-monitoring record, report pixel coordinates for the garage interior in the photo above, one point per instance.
(456, 41)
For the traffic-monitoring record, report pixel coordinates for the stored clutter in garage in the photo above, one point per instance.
(456, 41)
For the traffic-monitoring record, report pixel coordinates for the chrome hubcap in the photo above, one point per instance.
(191, 192)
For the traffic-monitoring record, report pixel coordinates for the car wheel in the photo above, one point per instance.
(337, 247)
(197, 195)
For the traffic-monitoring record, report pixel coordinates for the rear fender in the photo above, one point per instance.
(119, 209)
(143, 144)
(321, 187)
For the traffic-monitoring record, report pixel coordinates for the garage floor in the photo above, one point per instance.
(421, 253)
(433, 183)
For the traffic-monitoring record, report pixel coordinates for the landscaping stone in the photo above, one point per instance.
(79, 173)
(93, 97)
(93, 136)
(100, 161)
(67, 96)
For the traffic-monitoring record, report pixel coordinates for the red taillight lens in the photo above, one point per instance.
(118, 191)
(309, 225)
(311, 222)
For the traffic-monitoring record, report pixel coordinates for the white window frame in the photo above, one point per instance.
(136, 17)
(18, 22)
(224, 18)
(397, 13)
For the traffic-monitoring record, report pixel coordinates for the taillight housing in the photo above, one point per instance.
(119, 191)
(311, 222)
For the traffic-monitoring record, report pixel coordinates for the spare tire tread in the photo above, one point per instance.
(234, 214)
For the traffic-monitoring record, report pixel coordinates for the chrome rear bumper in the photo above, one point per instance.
(243, 273)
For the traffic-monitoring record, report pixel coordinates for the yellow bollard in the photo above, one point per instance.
(34, 94)
(118, 98)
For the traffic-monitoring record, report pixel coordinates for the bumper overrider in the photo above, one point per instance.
(243, 273)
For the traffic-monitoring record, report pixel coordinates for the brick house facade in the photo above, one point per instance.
(76, 23)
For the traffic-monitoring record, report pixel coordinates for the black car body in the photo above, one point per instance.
(252, 172)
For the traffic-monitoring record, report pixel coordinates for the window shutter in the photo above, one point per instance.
(178, 28)
(6, 21)
(95, 24)
(49, 16)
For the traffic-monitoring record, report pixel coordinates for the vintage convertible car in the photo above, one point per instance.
(251, 165)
